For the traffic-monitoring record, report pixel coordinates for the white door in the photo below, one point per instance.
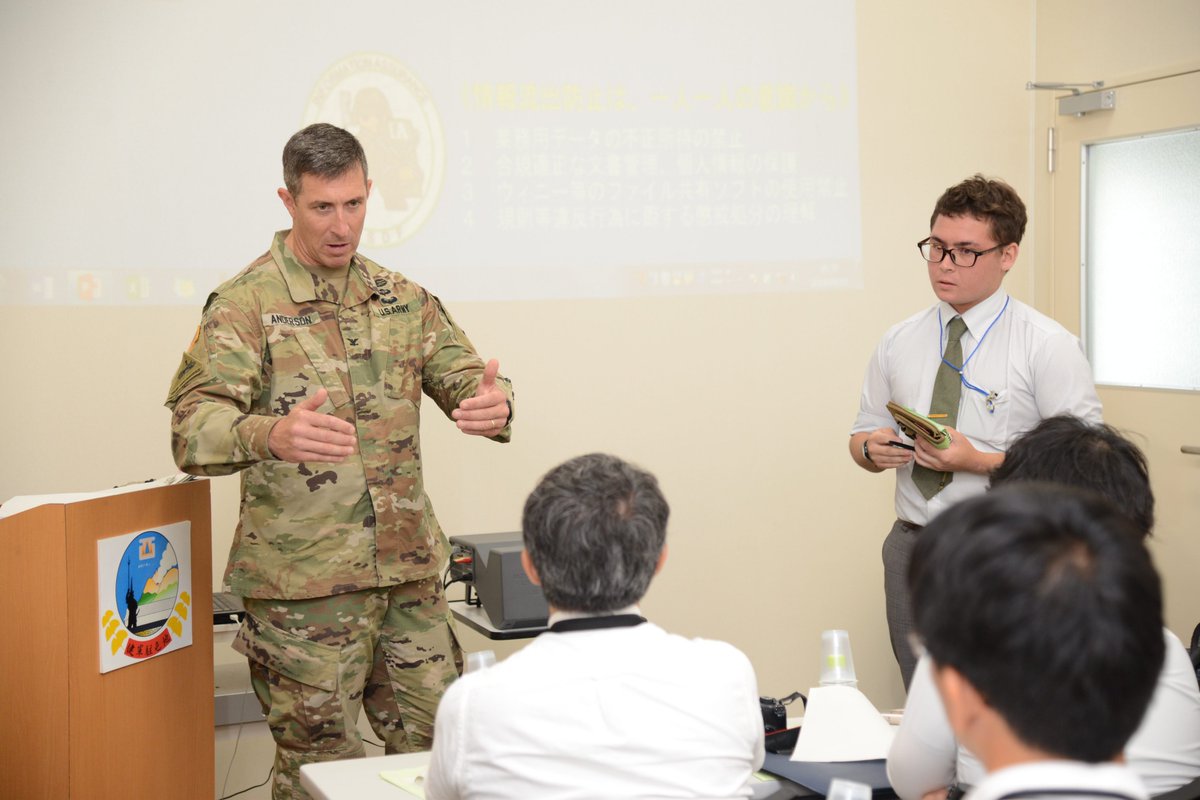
(1165, 423)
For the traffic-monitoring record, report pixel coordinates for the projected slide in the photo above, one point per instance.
(519, 150)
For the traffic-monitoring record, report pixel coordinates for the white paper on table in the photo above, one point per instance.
(411, 780)
(841, 724)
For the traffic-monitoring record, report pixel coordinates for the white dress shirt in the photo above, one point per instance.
(1164, 751)
(1060, 780)
(629, 712)
(1031, 366)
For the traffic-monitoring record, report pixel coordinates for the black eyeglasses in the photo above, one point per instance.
(934, 253)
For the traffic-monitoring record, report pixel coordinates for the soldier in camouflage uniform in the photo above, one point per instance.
(306, 374)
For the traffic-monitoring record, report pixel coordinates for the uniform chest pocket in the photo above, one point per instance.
(329, 371)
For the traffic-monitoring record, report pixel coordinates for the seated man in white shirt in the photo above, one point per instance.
(1041, 613)
(604, 704)
(1165, 750)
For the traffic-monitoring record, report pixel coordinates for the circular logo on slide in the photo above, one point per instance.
(376, 98)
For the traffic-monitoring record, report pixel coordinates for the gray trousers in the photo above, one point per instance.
(897, 551)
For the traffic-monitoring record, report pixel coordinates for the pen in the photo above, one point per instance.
(901, 445)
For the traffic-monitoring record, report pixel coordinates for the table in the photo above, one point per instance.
(358, 779)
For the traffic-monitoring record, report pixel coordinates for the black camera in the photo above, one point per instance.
(779, 738)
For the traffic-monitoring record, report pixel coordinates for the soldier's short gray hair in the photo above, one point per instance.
(594, 528)
(320, 149)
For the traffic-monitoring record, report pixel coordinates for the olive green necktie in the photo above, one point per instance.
(943, 407)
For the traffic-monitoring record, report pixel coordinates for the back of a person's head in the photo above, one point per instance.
(1045, 600)
(594, 529)
(1073, 452)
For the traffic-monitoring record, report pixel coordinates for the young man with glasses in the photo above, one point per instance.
(981, 363)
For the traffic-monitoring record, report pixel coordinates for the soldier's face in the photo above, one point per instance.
(327, 217)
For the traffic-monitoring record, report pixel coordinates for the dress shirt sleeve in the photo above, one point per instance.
(444, 779)
(452, 368)
(220, 374)
(924, 752)
(1063, 381)
(1165, 749)
(754, 719)
(876, 393)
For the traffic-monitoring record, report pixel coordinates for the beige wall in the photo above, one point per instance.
(740, 404)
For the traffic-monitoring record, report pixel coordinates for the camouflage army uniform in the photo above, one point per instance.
(338, 563)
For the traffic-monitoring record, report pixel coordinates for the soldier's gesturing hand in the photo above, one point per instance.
(305, 434)
(487, 412)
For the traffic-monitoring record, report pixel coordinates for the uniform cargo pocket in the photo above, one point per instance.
(311, 663)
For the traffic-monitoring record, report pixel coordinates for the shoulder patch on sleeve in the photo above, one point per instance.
(191, 373)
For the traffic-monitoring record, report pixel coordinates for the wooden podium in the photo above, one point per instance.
(67, 730)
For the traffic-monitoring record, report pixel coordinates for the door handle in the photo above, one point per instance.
(1190, 449)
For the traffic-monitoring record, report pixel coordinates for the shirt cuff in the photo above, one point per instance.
(252, 435)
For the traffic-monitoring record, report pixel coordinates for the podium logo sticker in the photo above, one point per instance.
(376, 97)
(145, 594)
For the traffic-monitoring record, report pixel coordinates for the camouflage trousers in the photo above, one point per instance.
(315, 663)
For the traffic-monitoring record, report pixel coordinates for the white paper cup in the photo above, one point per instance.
(480, 659)
(842, 789)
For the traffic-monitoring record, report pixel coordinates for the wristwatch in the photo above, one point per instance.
(867, 453)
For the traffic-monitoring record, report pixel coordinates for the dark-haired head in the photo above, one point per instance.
(989, 200)
(1070, 451)
(594, 530)
(320, 149)
(1044, 599)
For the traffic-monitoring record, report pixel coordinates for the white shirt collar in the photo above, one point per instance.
(1060, 776)
(979, 316)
